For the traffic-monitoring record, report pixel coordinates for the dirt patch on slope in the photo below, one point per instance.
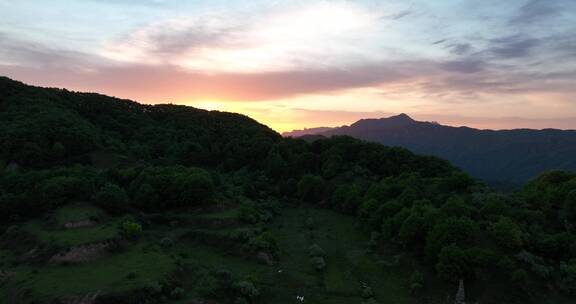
(81, 254)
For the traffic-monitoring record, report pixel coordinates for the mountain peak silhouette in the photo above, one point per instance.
(400, 120)
(401, 117)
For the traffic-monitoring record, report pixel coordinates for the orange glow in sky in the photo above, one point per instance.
(308, 63)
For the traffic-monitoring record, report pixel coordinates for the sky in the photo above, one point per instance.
(307, 63)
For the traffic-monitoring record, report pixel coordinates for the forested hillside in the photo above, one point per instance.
(46, 127)
(105, 200)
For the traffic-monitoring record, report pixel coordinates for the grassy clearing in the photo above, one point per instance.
(55, 233)
(348, 263)
(214, 258)
(73, 237)
(76, 212)
(108, 274)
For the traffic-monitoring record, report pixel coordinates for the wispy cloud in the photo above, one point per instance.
(538, 10)
(30, 54)
(464, 66)
(132, 2)
(319, 34)
(456, 80)
(321, 55)
(460, 48)
(515, 46)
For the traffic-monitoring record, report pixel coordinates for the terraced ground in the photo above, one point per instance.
(207, 242)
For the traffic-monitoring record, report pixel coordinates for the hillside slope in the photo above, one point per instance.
(43, 127)
(109, 201)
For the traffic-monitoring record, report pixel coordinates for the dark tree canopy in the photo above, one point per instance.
(60, 147)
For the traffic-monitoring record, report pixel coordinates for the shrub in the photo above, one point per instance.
(131, 230)
(519, 278)
(263, 242)
(416, 282)
(367, 293)
(247, 289)
(166, 242)
(241, 300)
(318, 263)
(375, 237)
(316, 251)
(131, 276)
(568, 277)
(153, 288)
(206, 285)
(310, 224)
(176, 293)
(249, 213)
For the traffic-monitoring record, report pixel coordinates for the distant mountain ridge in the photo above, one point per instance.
(496, 156)
(306, 131)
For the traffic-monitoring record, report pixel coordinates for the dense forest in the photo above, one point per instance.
(111, 201)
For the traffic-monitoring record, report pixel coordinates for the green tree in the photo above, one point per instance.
(570, 205)
(112, 198)
(456, 206)
(459, 231)
(59, 190)
(195, 188)
(507, 233)
(58, 150)
(568, 277)
(413, 230)
(146, 197)
(311, 188)
(453, 263)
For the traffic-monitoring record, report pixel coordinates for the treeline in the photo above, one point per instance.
(31, 193)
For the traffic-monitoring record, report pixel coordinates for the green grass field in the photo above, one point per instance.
(108, 274)
(76, 212)
(76, 236)
(54, 232)
(349, 264)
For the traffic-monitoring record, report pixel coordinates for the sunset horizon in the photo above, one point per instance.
(346, 118)
(302, 64)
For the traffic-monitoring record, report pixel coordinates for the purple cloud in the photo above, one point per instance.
(465, 66)
(537, 10)
(516, 46)
(460, 48)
